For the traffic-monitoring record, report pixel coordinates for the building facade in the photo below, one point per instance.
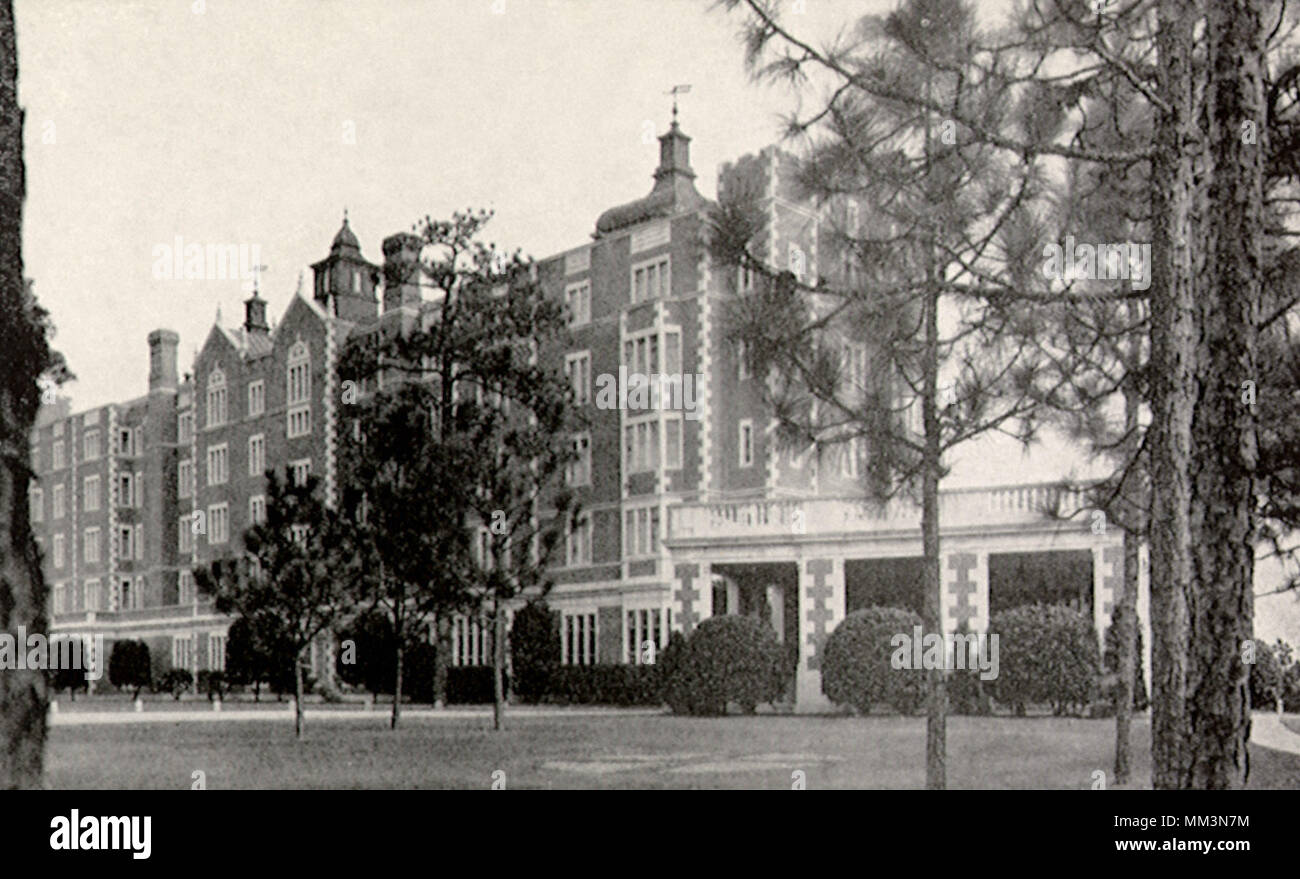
(691, 508)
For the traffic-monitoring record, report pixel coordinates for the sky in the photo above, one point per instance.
(243, 122)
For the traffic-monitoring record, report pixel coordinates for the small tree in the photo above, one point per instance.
(295, 574)
(534, 649)
(129, 666)
(70, 679)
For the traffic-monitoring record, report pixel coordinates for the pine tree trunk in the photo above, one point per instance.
(1223, 427)
(936, 685)
(1125, 617)
(1173, 387)
(397, 685)
(23, 693)
(498, 664)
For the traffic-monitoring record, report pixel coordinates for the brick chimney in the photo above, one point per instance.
(162, 360)
(402, 270)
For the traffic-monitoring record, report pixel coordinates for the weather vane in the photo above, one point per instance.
(675, 91)
(257, 274)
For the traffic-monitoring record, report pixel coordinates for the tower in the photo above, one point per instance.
(345, 282)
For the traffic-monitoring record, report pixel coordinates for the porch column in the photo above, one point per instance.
(692, 597)
(1107, 578)
(821, 608)
(965, 591)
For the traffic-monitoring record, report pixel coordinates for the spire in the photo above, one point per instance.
(218, 318)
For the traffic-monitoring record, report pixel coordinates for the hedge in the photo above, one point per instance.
(856, 667)
(1048, 654)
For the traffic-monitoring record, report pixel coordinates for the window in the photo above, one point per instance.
(185, 587)
(219, 523)
(137, 594)
(56, 452)
(641, 446)
(127, 439)
(851, 451)
(745, 279)
(578, 369)
(90, 493)
(299, 390)
(185, 533)
(256, 455)
(300, 470)
(124, 594)
(645, 628)
(90, 445)
(58, 550)
(471, 642)
(853, 366)
(745, 442)
(641, 355)
(216, 651)
(577, 543)
(185, 427)
(650, 280)
(641, 531)
(216, 398)
(218, 472)
(578, 298)
(579, 470)
(299, 533)
(742, 361)
(182, 651)
(673, 443)
(90, 545)
(92, 595)
(125, 490)
(256, 509)
(139, 542)
(185, 478)
(125, 541)
(58, 501)
(796, 261)
(256, 397)
(578, 639)
(60, 598)
(36, 502)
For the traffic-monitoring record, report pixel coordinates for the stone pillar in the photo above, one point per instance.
(821, 608)
(692, 597)
(1107, 578)
(965, 590)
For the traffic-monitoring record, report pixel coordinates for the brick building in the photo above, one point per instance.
(691, 508)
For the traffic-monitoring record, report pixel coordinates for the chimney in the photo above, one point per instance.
(162, 360)
(255, 314)
(402, 270)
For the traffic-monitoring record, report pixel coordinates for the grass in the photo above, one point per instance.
(614, 751)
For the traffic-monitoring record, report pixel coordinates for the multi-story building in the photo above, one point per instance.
(692, 508)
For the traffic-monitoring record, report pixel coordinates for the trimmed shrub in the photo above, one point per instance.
(176, 682)
(967, 691)
(535, 651)
(130, 667)
(471, 685)
(70, 679)
(726, 659)
(213, 683)
(625, 685)
(856, 667)
(1048, 654)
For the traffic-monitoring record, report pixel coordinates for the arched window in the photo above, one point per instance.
(299, 390)
(216, 397)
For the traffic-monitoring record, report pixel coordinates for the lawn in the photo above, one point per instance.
(613, 751)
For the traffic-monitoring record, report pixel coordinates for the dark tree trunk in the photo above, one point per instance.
(936, 721)
(397, 685)
(1223, 427)
(297, 702)
(1125, 617)
(23, 692)
(1173, 387)
(498, 664)
(441, 658)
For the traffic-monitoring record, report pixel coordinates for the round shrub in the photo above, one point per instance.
(725, 659)
(1048, 654)
(856, 667)
(535, 650)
